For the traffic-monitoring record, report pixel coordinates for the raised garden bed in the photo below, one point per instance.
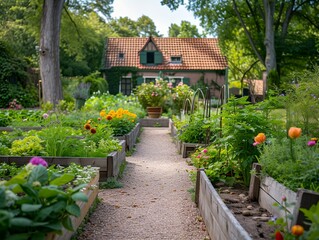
(154, 122)
(219, 220)
(268, 191)
(131, 137)
(109, 166)
(91, 191)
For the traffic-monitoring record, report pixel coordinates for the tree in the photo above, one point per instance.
(186, 30)
(265, 24)
(50, 41)
(146, 27)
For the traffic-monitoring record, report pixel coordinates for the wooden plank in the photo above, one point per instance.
(219, 220)
(254, 183)
(305, 199)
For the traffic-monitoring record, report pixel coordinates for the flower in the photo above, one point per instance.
(314, 139)
(284, 198)
(45, 115)
(311, 143)
(260, 138)
(278, 236)
(38, 161)
(93, 130)
(204, 150)
(87, 126)
(297, 230)
(294, 132)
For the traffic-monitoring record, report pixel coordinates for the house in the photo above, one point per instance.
(130, 61)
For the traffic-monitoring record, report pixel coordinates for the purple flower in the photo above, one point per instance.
(311, 143)
(38, 161)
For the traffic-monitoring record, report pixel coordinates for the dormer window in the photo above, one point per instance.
(121, 55)
(176, 59)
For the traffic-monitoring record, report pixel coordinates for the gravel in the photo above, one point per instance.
(154, 202)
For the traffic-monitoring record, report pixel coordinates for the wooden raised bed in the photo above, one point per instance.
(92, 193)
(219, 220)
(154, 122)
(268, 191)
(109, 166)
(188, 148)
(131, 137)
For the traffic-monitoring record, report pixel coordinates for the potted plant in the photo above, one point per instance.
(152, 96)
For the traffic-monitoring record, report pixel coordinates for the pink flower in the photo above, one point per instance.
(153, 94)
(198, 156)
(170, 85)
(256, 143)
(204, 150)
(38, 161)
(45, 115)
(284, 198)
(311, 143)
(180, 84)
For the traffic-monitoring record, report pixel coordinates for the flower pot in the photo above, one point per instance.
(154, 112)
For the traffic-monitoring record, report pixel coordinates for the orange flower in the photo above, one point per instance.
(297, 230)
(103, 113)
(294, 132)
(109, 117)
(260, 138)
(93, 130)
(87, 126)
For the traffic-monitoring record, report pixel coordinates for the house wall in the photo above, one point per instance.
(194, 78)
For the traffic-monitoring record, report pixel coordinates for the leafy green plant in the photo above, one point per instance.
(36, 201)
(111, 183)
(29, 146)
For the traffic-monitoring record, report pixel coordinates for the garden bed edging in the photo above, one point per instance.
(131, 137)
(219, 220)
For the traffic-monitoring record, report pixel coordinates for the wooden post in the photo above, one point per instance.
(305, 199)
(197, 187)
(254, 183)
(109, 166)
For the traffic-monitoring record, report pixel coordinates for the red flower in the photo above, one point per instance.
(278, 236)
(93, 130)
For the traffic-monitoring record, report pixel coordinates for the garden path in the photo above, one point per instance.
(154, 202)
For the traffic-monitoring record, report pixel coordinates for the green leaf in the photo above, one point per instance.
(29, 190)
(67, 223)
(2, 197)
(64, 179)
(80, 196)
(74, 210)
(77, 188)
(5, 217)
(21, 222)
(50, 191)
(39, 173)
(56, 226)
(45, 212)
(30, 207)
(20, 236)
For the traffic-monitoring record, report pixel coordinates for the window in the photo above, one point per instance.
(148, 80)
(150, 57)
(176, 59)
(126, 86)
(121, 55)
(175, 81)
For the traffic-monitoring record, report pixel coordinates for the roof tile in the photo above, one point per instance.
(196, 53)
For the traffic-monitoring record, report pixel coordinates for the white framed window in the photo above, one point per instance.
(176, 59)
(126, 86)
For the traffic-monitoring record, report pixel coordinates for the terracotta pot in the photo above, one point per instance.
(154, 112)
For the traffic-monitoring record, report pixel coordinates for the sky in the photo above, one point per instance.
(162, 16)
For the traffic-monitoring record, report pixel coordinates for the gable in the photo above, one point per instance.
(194, 53)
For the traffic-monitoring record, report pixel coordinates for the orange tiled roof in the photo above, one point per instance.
(196, 53)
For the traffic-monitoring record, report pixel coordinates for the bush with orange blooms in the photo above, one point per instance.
(121, 120)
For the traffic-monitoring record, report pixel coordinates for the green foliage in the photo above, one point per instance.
(110, 183)
(198, 129)
(37, 201)
(312, 215)
(29, 146)
(291, 162)
(180, 94)
(97, 83)
(185, 30)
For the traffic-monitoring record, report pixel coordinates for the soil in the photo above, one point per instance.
(155, 201)
(249, 214)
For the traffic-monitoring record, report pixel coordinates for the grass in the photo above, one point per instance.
(110, 183)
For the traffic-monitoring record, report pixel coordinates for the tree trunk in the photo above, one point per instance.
(270, 60)
(49, 51)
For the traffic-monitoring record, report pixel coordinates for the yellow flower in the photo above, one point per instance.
(103, 113)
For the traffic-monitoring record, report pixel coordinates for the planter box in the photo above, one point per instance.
(85, 207)
(268, 191)
(219, 220)
(188, 148)
(109, 166)
(154, 122)
(131, 137)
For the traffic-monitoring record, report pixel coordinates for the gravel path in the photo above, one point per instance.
(154, 202)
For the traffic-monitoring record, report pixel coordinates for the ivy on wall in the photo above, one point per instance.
(113, 77)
